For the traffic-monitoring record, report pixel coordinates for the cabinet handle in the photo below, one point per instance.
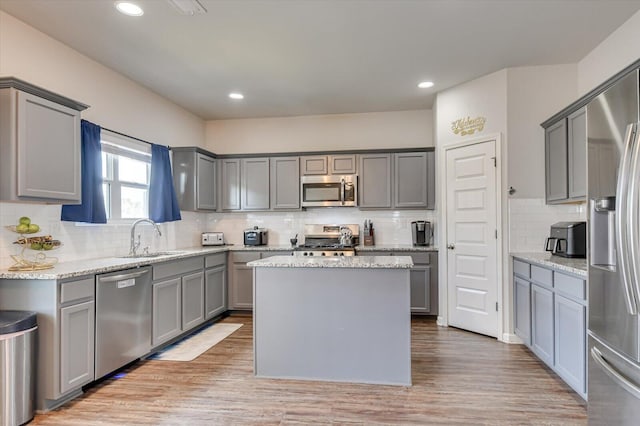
(615, 375)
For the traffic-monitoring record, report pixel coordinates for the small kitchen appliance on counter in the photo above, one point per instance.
(256, 237)
(568, 239)
(212, 239)
(421, 233)
(329, 240)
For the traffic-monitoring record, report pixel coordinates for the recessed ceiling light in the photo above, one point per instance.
(128, 8)
(236, 95)
(425, 84)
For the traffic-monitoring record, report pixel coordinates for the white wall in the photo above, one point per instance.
(533, 95)
(401, 129)
(617, 51)
(115, 101)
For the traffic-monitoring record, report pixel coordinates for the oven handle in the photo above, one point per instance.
(342, 190)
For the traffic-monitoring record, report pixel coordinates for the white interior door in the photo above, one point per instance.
(472, 268)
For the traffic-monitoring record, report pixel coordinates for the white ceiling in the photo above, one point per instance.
(297, 57)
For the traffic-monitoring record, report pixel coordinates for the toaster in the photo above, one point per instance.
(255, 237)
(212, 239)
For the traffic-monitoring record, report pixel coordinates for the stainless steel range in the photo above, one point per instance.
(329, 240)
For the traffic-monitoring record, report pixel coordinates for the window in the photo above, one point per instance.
(126, 167)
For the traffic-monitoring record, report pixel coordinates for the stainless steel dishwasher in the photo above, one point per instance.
(123, 318)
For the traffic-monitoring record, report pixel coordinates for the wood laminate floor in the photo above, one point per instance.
(458, 378)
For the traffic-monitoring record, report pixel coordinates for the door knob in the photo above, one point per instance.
(451, 247)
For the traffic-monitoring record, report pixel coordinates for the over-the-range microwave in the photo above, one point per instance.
(329, 191)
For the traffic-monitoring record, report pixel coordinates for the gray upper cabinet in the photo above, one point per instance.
(285, 183)
(194, 179)
(230, 184)
(566, 159)
(374, 180)
(556, 163)
(255, 184)
(343, 164)
(410, 183)
(577, 153)
(314, 165)
(39, 146)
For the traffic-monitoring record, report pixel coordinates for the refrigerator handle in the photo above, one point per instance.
(613, 374)
(622, 221)
(633, 206)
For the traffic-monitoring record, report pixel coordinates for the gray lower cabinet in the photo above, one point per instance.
(255, 184)
(522, 309)
(66, 333)
(542, 323)
(570, 346)
(39, 145)
(194, 179)
(550, 316)
(423, 279)
(177, 298)
(77, 345)
(374, 181)
(230, 184)
(285, 183)
(215, 285)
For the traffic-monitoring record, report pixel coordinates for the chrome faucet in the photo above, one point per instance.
(134, 245)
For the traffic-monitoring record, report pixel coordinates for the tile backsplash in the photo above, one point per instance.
(530, 220)
(83, 241)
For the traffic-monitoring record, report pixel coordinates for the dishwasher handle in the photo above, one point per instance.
(122, 277)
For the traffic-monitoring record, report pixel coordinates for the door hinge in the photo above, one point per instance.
(496, 306)
(495, 161)
(496, 234)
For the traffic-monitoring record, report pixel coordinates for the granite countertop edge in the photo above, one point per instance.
(574, 266)
(351, 262)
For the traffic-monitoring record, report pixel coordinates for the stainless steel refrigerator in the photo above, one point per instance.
(613, 167)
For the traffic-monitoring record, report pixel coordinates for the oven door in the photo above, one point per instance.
(328, 191)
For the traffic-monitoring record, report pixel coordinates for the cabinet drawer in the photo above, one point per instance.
(76, 290)
(522, 269)
(542, 275)
(244, 257)
(215, 260)
(572, 286)
(418, 258)
(177, 267)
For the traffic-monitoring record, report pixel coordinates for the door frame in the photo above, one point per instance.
(501, 226)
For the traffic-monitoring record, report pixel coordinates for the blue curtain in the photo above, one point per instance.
(92, 208)
(163, 204)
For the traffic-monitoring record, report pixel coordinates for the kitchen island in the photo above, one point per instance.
(336, 319)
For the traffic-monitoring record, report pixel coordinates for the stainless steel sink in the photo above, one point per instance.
(152, 254)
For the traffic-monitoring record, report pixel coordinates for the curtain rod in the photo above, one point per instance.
(130, 137)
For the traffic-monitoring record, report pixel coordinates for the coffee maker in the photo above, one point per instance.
(421, 232)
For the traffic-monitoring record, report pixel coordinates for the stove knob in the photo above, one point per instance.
(310, 253)
(304, 254)
(341, 254)
(335, 254)
(324, 254)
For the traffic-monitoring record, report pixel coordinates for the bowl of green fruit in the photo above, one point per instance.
(25, 226)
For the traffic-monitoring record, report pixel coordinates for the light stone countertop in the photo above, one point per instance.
(574, 266)
(395, 247)
(381, 262)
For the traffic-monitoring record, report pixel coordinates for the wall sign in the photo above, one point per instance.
(468, 125)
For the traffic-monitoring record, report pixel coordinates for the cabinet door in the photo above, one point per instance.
(410, 187)
(542, 323)
(48, 138)
(342, 164)
(577, 145)
(255, 184)
(166, 311)
(375, 181)
(230, 184)
(570, 344)
(77, 341)
(242, 287)
(556, 162)
(285, 183)
(522, 309)
(192, 300)
(205, 182)
(215, 291)
(420, 281)
(314, 165)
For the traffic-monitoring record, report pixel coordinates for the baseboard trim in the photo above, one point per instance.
(511, 339)
(441, 321)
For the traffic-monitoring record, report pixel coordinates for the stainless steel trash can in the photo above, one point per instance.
(17, 366)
